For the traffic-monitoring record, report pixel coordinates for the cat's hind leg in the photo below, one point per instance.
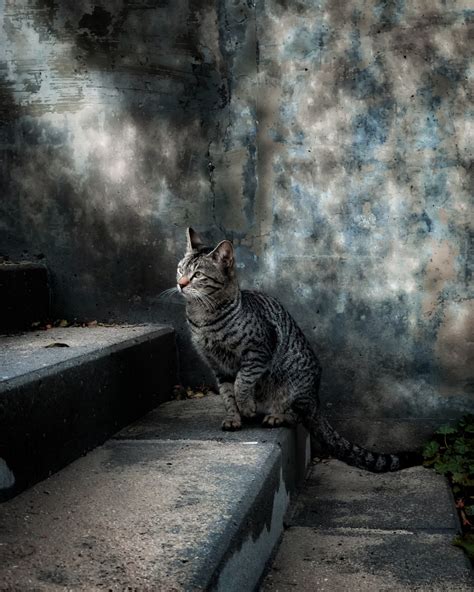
(288, 404)
(276, 420)
(276, 408)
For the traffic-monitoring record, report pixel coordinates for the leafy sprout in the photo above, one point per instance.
(451, 453)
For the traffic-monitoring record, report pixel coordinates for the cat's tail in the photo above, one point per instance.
(352, 454)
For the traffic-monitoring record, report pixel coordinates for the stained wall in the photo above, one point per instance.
(330, 140)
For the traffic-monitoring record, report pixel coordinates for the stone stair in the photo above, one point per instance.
(63, 391)
(170, 503)
(350, 530)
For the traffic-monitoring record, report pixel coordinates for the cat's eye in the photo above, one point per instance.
(197, 274)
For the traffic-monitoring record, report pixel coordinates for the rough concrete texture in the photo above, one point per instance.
(202, 421)
(33, 351)
(155, 514)
(56, 403)
(330, 140)
(336, 496)
(365, 532)
(361, 560)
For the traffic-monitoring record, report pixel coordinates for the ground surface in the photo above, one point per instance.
(355, 531)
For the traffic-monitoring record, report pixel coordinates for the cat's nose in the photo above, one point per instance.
(184, 281)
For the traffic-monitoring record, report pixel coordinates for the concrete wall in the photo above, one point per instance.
(328, 139)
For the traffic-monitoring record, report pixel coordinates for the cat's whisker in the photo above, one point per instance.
(200, 298)
(210, 303)
(205, 300)
(168, 294)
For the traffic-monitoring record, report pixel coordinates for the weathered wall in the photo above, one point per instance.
(107, 112)
(328, 139)
(364, 161)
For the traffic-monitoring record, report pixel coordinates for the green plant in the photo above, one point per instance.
(451, 453)
(466, 542)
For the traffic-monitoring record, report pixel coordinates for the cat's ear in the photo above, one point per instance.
(224, 254)
(194, 240)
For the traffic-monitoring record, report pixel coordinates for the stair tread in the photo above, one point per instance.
(56, 403)
(156, 513)
(32, 351)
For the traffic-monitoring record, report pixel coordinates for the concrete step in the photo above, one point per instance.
(25, 295)
(356, 531)
(169, 504)
(66, 390)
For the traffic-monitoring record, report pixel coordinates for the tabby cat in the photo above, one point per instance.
(263, 363)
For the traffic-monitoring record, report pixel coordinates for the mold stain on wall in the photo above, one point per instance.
(330, 140)
(370, 194)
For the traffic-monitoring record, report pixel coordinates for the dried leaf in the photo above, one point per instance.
(198, 395)
(179, 392)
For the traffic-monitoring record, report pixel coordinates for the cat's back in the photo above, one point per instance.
(260, 302)
(266, 307)
(292, 351)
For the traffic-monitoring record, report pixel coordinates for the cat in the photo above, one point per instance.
(263, 363)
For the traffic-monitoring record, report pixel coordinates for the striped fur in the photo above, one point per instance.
(263, 363)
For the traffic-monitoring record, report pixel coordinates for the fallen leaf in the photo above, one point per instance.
(179, 392)
(197, 395)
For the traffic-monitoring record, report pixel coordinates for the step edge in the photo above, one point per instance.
(32, 376)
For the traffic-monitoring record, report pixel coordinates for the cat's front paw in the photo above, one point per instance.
(231, 423)
(247, 408)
